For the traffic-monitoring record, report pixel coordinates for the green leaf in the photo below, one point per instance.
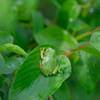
(93, 62)
(85, 75)
(83, 72)
(7, 15)
(79, 94)
(11, 65)
(90, 49)
(60, 1)
(8, 47)
(56, 37)
(22, 35)
(25, 8)
(78, 26)
(2, 61)
(72, 8)
(5, 37)
(95, 40)
(2, 79)
(31, 83)
(93, 46)
(53, 7)
(38, 22)
(63, 93)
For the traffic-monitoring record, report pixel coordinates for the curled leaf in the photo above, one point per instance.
(8, 47)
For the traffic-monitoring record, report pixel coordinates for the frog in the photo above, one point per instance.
(51, 63)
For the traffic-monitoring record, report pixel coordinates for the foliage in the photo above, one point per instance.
(49, 50)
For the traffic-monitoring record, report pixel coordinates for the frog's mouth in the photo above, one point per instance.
(52, 64)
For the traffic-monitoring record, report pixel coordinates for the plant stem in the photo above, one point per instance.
(50, 98)
(81, 47)
(84, 35)
(68, 53)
